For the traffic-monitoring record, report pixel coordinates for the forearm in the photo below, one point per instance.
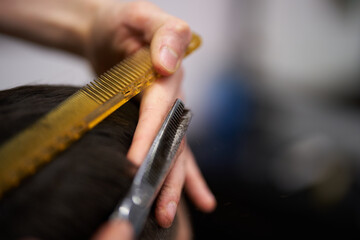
(63, 24)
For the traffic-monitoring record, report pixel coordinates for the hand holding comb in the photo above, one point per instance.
(26, 152)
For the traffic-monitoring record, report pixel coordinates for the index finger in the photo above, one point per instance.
(155, 104)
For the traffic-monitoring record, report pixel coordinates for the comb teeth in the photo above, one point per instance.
(171, 129)
(129, 76)
(166, 144)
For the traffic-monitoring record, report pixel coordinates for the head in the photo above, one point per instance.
(74, 194)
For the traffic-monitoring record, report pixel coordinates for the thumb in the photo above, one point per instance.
(169, 44)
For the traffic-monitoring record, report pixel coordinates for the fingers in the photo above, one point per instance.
(196, 187)
(155, 105)
(185, 169)
(170, 193)
(115, 230)
(169, 36)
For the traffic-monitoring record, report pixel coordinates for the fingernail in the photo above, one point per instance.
(171, 209)
(169, 58)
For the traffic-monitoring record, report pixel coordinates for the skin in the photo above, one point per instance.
(104, 32)
(112, 231)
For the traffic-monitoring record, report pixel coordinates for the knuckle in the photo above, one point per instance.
(169, 193)
(179, 27)
(147, 111)
(182, 27)
(137, 9)
(138, 5)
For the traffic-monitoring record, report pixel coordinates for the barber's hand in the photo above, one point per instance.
(114, 230)
(118, 31)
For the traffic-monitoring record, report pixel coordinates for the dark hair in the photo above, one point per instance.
(70, 197)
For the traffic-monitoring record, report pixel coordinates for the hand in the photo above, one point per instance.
(118, 31)
(113, 229)
(106, 31)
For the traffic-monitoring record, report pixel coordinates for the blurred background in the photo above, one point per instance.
(275, 90)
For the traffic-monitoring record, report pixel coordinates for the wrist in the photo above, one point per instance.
(64, 24)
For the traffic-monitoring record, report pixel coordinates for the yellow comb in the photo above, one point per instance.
(22, 155)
